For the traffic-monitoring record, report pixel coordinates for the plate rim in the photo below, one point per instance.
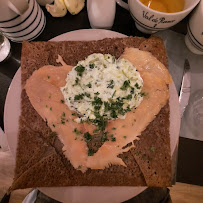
(45, 190)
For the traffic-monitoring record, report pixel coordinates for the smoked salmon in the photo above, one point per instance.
(43, 90)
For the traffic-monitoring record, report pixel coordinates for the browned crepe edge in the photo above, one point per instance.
(115, 175)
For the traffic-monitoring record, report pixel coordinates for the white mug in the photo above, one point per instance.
(150, 21)
(194, 37)
(21, 19)
(101, 13)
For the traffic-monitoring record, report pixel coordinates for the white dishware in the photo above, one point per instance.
(5, 47)
(101, 13)
(86, 194)
(150, 21)
(194, 37)
(21, 19)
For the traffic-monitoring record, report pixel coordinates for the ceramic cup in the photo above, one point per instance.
(150, 21)
(101, 13)
(194, 37)
(21, 19)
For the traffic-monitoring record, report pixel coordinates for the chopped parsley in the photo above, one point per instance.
(89, 85)
(87, 136)
(113, 93)
(48, 76)
(87, 94)
(113, 128)
(125, 85)
(129, 97)
(142, 94)
(80, 69)
(92, 65)
(78, 97)
(76, 81)
(50, 108)
(113, 139)
(97, 93)
(104, 137)
(90, 152)
(62, 101)
(137, 86)
(111, 84)
(77, 132)
(124, 137)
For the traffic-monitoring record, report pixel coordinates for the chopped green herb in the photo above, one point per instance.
(78, 97)
(67, 120)
(113, 139)
(111, 84)
(132, 90)
(79, 167)
(53, 125)
(92, 65)
(62, 101)
(48, 76)
(123, 126)
(77, 132)
(113, 128)
(50, 108)
(104, 137)
(142, 94)
(97, 101)
(62, 122)
(137, 86)
(90, 152)
(129, 97)
(124, 137)
(63, 114)
(89, 85)
(76, 81)
(113, 93)
(87, 94)
(46, 106)
(73, 114)
(79, 69)
(134, 120)
(125, 85)
(97, 93)
(87, 136)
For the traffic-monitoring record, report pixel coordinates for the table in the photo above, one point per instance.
(190, 166)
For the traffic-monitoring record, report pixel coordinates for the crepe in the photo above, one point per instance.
(40, 161)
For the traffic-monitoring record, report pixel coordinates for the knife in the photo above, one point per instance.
(185, 88)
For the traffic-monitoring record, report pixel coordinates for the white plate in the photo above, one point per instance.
(82, 194)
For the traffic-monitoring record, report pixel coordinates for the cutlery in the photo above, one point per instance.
(185, 88)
